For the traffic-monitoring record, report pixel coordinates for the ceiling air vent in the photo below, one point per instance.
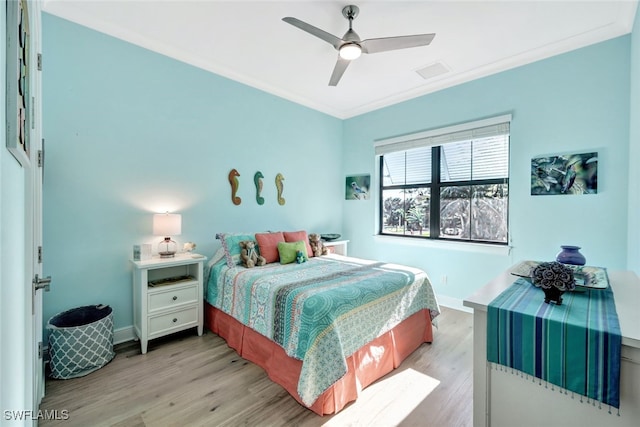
(433, 70)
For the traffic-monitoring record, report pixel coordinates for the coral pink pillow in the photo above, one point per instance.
(268, 245)
(296, 236)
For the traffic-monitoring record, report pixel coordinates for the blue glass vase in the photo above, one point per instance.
(571, 255)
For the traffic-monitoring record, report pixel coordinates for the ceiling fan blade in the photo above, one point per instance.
(394, 43)
(338, 71)
(329, 38)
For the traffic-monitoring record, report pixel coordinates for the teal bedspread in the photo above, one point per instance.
(575, 345)
(321, 311)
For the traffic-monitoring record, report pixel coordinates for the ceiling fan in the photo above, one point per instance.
(350, 46)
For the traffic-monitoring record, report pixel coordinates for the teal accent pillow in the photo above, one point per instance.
(231, 246)
(288, 251)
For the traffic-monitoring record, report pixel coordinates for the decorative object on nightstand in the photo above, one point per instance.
(167, 296)
(142, 252)
(189, 247)
(167, 225)
(330, 237)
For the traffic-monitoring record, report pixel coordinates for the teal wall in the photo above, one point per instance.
(575, 102)
(634, 151)
(130, 132)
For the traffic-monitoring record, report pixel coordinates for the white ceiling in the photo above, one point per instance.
(249, 42)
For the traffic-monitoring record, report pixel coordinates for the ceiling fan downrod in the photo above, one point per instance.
(351, 37)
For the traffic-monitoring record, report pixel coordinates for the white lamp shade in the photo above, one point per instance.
(167, 224)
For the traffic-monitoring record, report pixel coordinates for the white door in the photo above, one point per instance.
(21, 364)
(39, 283)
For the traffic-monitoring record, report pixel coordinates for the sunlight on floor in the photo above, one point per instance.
(387, 402)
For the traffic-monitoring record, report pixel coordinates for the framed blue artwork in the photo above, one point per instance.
(565, 174)
(357, 187)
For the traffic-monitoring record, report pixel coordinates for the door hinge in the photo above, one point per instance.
(39, 62)
(39, 254)
(40, 158)
(40, 350)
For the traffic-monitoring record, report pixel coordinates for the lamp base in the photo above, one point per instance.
(167, 254)
(167, 248)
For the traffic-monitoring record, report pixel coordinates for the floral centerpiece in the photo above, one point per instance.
(555, 279)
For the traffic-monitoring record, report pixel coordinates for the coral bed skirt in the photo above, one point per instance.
(366, 365)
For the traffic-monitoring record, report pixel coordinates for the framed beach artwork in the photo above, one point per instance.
(565, 174)
(357, 187)
(18, 95)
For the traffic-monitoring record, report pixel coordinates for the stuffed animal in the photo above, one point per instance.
(249, 255)
(300, 258)
(316, 245)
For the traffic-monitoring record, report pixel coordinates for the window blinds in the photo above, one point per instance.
(494, 126)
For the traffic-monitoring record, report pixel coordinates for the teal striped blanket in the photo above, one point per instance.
(321, 311)
(575, 345)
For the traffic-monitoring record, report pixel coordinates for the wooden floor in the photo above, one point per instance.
(186, 380)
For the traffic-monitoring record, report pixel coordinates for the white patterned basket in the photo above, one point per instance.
(80, 341)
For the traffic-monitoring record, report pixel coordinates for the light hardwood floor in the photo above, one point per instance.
(186, 380)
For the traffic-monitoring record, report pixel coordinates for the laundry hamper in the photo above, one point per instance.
(80, 341)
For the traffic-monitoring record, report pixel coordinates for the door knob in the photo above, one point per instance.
(41, 283)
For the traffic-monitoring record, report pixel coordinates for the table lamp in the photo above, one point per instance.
(167, 224)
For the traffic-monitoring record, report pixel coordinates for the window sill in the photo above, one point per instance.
(445, 244)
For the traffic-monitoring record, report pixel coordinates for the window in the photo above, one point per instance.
(451, 183)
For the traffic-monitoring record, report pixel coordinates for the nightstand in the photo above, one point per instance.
(337, 246)
(167, 296)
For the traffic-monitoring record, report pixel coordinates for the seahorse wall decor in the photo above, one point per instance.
(257, 180)
(280, 187)
(235, 183)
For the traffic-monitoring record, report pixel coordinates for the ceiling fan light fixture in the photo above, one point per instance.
(350, 51)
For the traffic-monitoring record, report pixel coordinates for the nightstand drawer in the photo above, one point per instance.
(178, 319)
(173, 297)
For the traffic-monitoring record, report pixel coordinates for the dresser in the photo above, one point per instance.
(504, 398)
(167, 296)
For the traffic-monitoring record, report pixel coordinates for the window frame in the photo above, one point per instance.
(436, 184)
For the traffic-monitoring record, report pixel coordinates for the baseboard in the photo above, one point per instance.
(124, 334)
(453, 303)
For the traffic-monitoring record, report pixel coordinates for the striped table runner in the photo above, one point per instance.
(575, 345)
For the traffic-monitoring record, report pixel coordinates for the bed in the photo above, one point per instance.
(323, 329)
